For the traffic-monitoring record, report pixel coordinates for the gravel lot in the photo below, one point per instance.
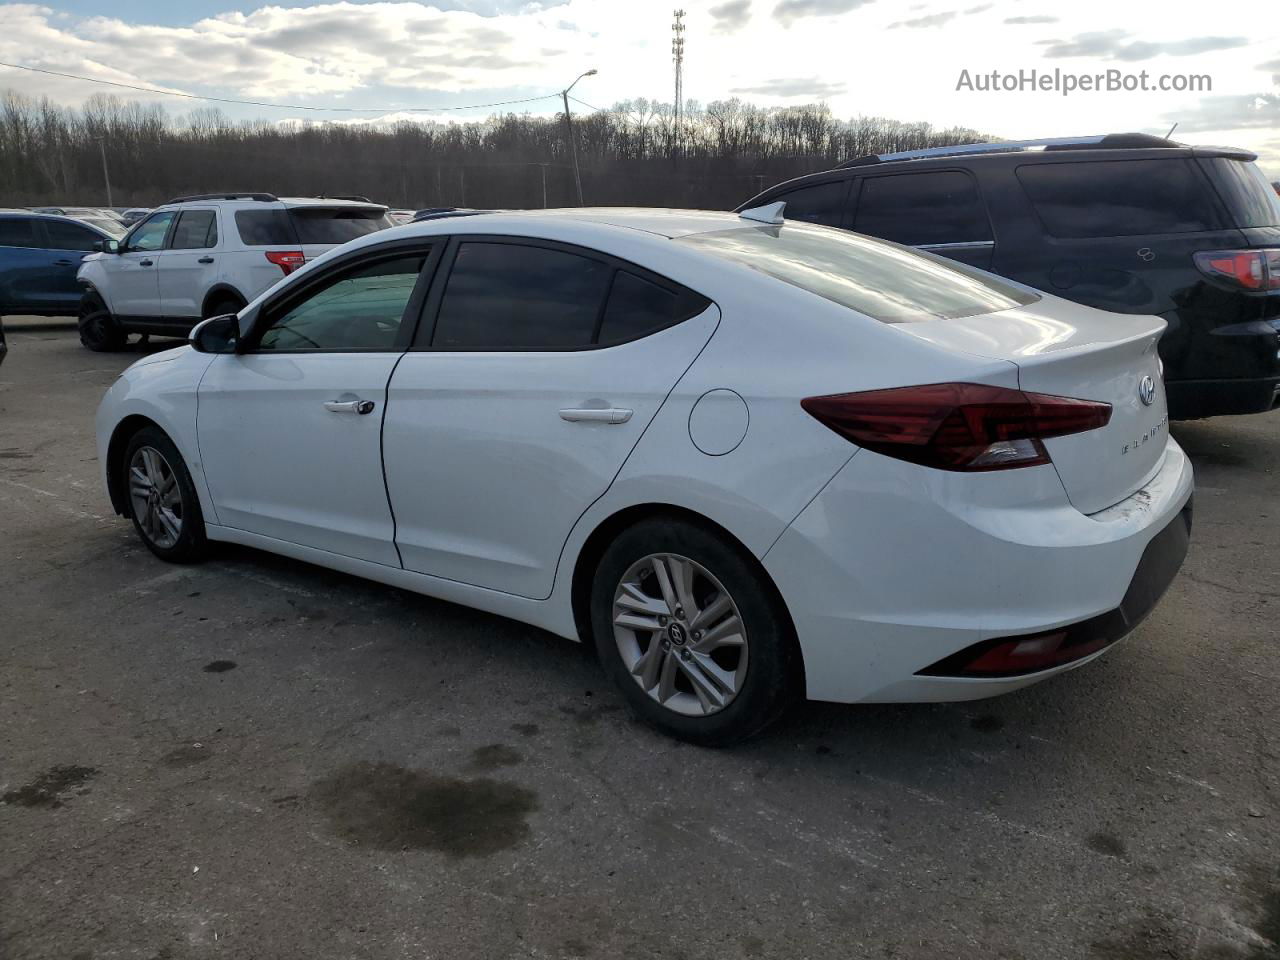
(260, 758)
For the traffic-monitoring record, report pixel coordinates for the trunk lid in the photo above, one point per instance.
(1070, 350)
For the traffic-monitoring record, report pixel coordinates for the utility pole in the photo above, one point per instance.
(543, 166)
(677, 58)
(106, 179)
(568, 129)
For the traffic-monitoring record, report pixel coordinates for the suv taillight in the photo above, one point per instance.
(286, 260)
(1257, 270)
(957, 426)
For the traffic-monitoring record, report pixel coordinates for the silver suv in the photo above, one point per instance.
(199, 257)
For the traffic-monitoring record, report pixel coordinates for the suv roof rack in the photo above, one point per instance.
(1107, 141)
(263, 197)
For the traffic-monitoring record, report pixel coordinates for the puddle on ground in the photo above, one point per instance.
(51, 788)
(219, 666)
(389, 807)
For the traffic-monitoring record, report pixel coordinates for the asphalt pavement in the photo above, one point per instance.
(259, 758)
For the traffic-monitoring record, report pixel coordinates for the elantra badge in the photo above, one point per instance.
(1147, 391)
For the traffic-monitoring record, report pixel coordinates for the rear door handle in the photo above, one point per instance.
(63, 263)
(205, 260)
(596, 414)
(349, 406)
(144, 263)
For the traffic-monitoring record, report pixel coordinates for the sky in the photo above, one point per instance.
(907, 60)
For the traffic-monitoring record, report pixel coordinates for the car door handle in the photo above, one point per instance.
(205, 260)
(63, 263)
(349, 406)
(144, 263)
(596, 414)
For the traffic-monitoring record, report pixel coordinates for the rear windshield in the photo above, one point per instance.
(337, 224)
(1252, 201)
(882, 280)
(276, 227)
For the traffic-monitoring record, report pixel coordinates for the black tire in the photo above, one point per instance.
(222, 304)
(773, 672)
(99, 330)
(191, 545)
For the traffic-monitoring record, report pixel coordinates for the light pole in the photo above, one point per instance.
(107, 179)
(568, 127)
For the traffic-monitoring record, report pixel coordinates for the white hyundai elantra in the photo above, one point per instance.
(747, 458)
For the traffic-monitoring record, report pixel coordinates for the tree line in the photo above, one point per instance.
(634, 153)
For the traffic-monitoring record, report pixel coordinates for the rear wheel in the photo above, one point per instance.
(162, 499)
(222, 304)
(692, 632)
(99, 330)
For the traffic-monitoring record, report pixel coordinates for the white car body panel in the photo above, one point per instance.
(884, 566)
(279, 464)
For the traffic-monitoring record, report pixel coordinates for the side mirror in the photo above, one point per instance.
(217, 334)
(107, 246)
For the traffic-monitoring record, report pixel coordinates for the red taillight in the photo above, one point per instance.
(957, 426)
(1249, 269)
(286, 260)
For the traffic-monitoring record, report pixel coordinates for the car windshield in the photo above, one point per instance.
(883, 280)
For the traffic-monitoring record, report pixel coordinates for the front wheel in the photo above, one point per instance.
(162, 499)
(688, 626)
(99, 330)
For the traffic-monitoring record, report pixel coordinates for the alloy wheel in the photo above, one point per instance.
(680, 634)
(156, 497)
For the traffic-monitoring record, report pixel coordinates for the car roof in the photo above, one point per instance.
(57, 217)
(665, 222)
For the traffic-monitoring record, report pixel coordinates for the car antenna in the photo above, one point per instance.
(1171, 129)
(770, 213)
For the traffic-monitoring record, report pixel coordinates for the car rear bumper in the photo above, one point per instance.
(894, 569)
(1191, 399)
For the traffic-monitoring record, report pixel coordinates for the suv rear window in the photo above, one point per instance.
(336, 224)
(882, 280)
(1119, 198)
(276, 227)
(923, 208)
(1251, 200)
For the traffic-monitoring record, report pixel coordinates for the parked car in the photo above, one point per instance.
(105, 220)
(197, 257)
(133, 215)
(400, 217)
(4, 347)
(1125, 222)
(687, 438)
(39, 257)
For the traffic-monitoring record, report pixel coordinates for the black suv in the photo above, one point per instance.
(1124, 222)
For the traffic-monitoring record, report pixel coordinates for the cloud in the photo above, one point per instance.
(789, 11)
(932, 20)
(1251, 111)
(810, 87)
(1273, 65)
(1027, 20)
(978, 9)
(730, 16)
(1114, 45)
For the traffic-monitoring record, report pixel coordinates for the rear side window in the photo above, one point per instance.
(881, 280)
(265, 228)
(923, 209)
(504, 296)
(69, 236)
(638, 307)
(822, 204)
(336, 224)
(17, 232)
(196, 230)
(1251, 200)
(1118, 198)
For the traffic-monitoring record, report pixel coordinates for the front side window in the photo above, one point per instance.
(508, 296)
(17, 232)
(196, 230)
(70, 236)
(881, 280)
(149, 235)
(923, 209)
(1118, 198)
(359, 309)
(822, 204)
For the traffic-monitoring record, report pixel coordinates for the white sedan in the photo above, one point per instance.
(749, 459)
